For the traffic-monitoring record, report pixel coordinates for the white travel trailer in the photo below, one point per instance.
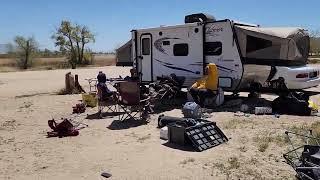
(246, 55)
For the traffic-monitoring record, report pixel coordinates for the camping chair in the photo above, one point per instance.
(129, 100)
(108, 103)
(305, 159)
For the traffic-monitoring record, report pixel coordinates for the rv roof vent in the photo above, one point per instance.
(200, 17)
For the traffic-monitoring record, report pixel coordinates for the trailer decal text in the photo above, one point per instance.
(213, 30)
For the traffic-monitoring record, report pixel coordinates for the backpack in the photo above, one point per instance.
(63, 129)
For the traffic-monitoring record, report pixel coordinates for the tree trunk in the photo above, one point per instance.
(78, 54)
(72, 61)
(26, 60)
(69, 83)
(73, 64)
(73, 53)
(77, 85)
(82, 49)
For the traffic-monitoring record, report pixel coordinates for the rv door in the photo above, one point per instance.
(145, 58)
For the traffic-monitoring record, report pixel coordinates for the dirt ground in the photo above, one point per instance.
(127, 150)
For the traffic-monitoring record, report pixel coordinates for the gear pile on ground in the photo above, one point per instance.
(62, 129)
(167, 87)
(65, 127)
(79, 108)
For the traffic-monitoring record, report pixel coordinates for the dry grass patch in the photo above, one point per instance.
(304, 129)
(238, 124)
(243, 149)
(104, 60)
(9, 125)
(42, 63)
(26, 105)
(234, 163)
(63, 91)
(264, 139)
(250, 172)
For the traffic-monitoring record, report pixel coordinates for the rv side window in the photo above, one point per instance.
(180, 49)
(213, 48)
(146, 46)
(255, 44)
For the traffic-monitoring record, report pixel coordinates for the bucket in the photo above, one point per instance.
(90, 99)
(164, 133)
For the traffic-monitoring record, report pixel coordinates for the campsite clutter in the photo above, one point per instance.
(191, 130)
(66, 126)
(132, 100)
(200, 86)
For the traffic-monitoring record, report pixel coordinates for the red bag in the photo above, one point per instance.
(63, 129)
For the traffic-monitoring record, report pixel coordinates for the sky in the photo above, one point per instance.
(112, 20)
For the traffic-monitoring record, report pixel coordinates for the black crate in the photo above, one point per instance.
(206, 136)
(177, 134)
(203, 136)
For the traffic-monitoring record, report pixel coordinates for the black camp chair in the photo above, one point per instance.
(130, 101)
(307, 163)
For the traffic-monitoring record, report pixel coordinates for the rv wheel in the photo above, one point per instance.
(254, 87)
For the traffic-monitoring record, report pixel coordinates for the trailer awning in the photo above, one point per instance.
(124, 54)
(274, 43)
(282, 32)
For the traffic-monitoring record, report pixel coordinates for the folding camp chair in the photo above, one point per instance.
(305, 159)
(129, 100)
(92, 84)
(108, 103)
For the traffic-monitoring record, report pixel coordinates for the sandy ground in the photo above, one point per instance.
(126, 150)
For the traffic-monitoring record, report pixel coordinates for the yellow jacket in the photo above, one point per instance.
(209, 81)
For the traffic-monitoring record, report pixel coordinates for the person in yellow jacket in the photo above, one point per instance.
(206, 86)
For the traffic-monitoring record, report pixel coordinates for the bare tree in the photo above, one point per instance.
(26, 48)
(72, 38)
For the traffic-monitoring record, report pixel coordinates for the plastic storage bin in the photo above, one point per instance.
(90, 99)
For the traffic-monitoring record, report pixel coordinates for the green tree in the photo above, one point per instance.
(72, 39)
(26, 47)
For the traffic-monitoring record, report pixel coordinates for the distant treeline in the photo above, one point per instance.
(315, 46)
(46, 53)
